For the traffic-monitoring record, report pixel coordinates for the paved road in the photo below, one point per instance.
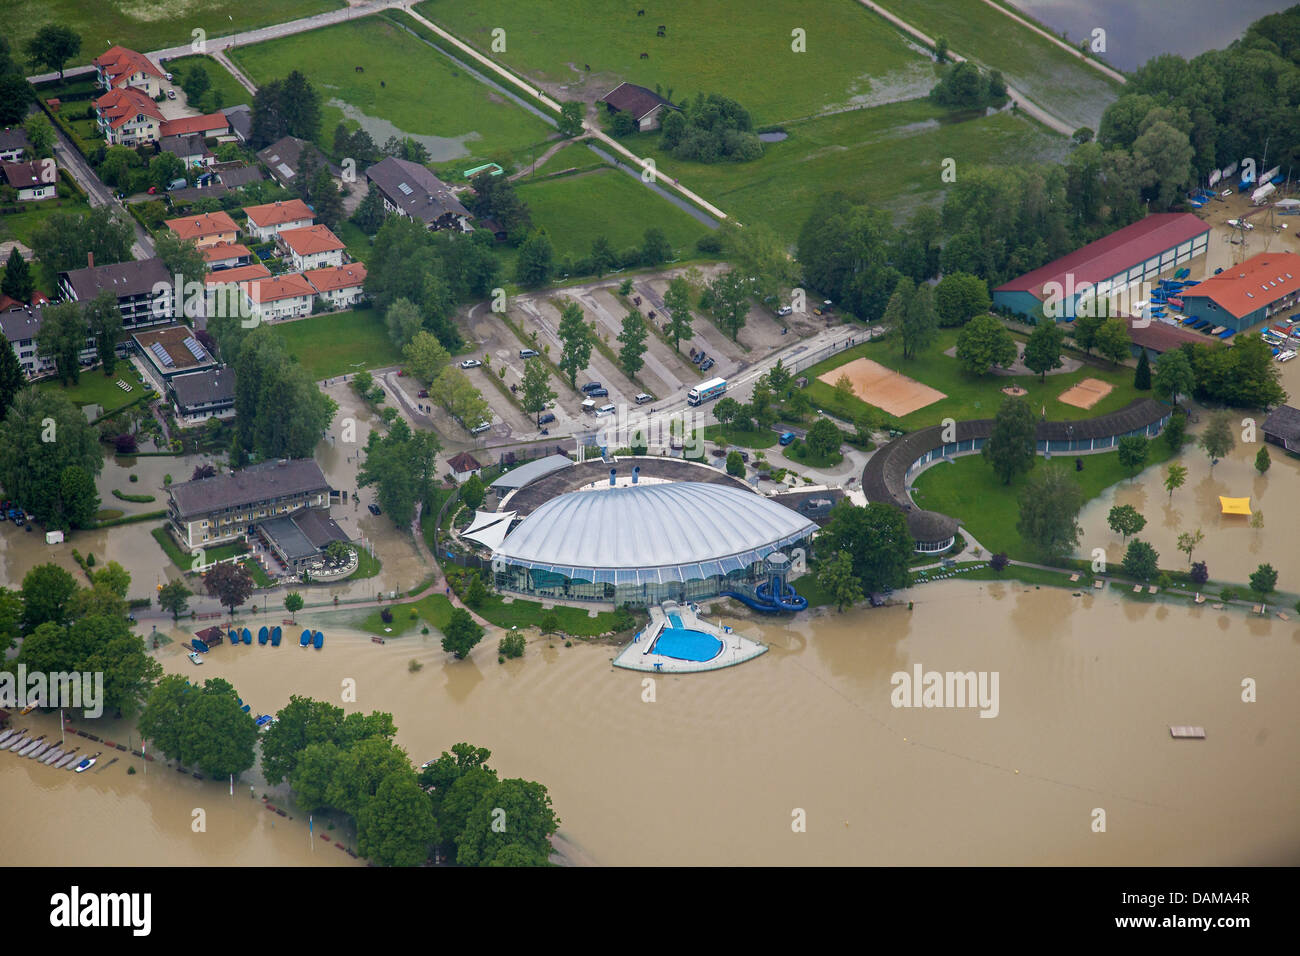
(97, 193)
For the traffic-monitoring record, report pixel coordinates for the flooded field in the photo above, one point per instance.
(712, 770)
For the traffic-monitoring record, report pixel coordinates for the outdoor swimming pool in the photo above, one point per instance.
(686, 645)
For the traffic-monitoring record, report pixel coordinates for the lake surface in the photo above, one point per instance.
(712, 771)
(1137, 30)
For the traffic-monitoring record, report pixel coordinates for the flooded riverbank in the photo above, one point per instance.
(712, 770)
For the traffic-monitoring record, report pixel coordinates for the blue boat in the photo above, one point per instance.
(263, 635)
(275, 636)
(318, 639)
(233, 637)
(264, 719)
(1227, 333)
(248, 636)
(200, 646)
(247, 708)
(304, 639)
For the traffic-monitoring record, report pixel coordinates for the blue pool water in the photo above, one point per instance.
(684, 645)
(676, 621)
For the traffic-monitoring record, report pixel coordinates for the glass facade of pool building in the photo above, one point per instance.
(647, 544)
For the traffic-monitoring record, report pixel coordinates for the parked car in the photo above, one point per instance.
(606, 410)
(480, 428)
(598, 392)
(546, 418)
(590, 385)
(168, 76)
(470, 363)
(374, 509)
(699, 357)
(642, 398)
(153, 190)
(707, 364)
(424, 393)
(787, 438)
(171, 94)
(528, 353)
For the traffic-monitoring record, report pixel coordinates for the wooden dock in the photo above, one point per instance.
(1183, 732)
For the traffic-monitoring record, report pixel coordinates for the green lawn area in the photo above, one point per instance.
(143, 25)
(521, 613)
(258, 573)
(232, 93)
(1052, 78)
(96, 388)
(22, 225)
(751, 438)
(165, 541)
(889, 155)
(968, 396)
(339, 343)
(742, 50)
(434, 610)
(573, 156)
(359, 245)
(423, 93)
(367, 566)
(574, 210)
(967, 489)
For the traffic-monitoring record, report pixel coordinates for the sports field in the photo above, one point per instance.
(740, 48)
(378, 75)
(884, 388)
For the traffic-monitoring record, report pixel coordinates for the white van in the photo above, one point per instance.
(642, 398)
(606, 410)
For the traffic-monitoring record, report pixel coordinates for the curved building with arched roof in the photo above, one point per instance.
(646, 543)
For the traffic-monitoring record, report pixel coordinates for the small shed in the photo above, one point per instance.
(464, 465)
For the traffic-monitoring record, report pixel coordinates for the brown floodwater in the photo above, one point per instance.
(712, 770)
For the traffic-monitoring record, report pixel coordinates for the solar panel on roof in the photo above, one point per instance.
(406, 190)
(162, 355)
(195, 349)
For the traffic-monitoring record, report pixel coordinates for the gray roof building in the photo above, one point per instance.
(283, 158)
(184, 146)
(241, 120)
(13, 142)
(136, 277)
(211, 387)
(267, 481)
(1282, 427)
(235, 178)
(412, 190)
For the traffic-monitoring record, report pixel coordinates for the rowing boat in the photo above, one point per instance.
(68, 758)
(17, 742)
(31, 745)
(53, 754)
(8, 735)
(40, 751)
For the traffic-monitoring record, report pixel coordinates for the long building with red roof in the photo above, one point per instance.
(1244, 295)
(1139, 252)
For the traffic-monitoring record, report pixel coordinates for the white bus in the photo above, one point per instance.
(706, 391)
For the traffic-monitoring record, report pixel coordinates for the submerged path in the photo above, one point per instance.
(1114, 74)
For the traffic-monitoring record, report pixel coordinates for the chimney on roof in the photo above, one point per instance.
(90, 260)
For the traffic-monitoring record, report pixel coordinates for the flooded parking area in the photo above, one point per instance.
(712, 767)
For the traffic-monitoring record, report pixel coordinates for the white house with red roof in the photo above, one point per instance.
(339, 287)
(312, 247)
(126, 117)
(280, 297)
(268, 220)
(119, 68)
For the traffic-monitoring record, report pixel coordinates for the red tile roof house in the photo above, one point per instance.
(227, 289)
(464, 465)
(214, 124)
(280, 297)
(645, 106)
(266, 222)
(1139, 252)
(206, 229)
(339, 287)
(312, 247)
(32, 181)
(226, 255)
(120, 67)
(127, 117)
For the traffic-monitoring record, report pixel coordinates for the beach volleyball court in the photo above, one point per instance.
(890, 391)
(1087, 393)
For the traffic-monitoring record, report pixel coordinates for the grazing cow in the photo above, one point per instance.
(645, 56)
(361, 69)
(382, 83)
(640, 13)
(587, 67)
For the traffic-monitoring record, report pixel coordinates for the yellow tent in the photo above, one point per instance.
(1234, 506)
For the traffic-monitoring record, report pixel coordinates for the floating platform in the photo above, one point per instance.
(1183, 732)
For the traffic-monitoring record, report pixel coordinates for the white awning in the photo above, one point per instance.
(489, 528)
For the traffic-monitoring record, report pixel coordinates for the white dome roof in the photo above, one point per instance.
(678, 530)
